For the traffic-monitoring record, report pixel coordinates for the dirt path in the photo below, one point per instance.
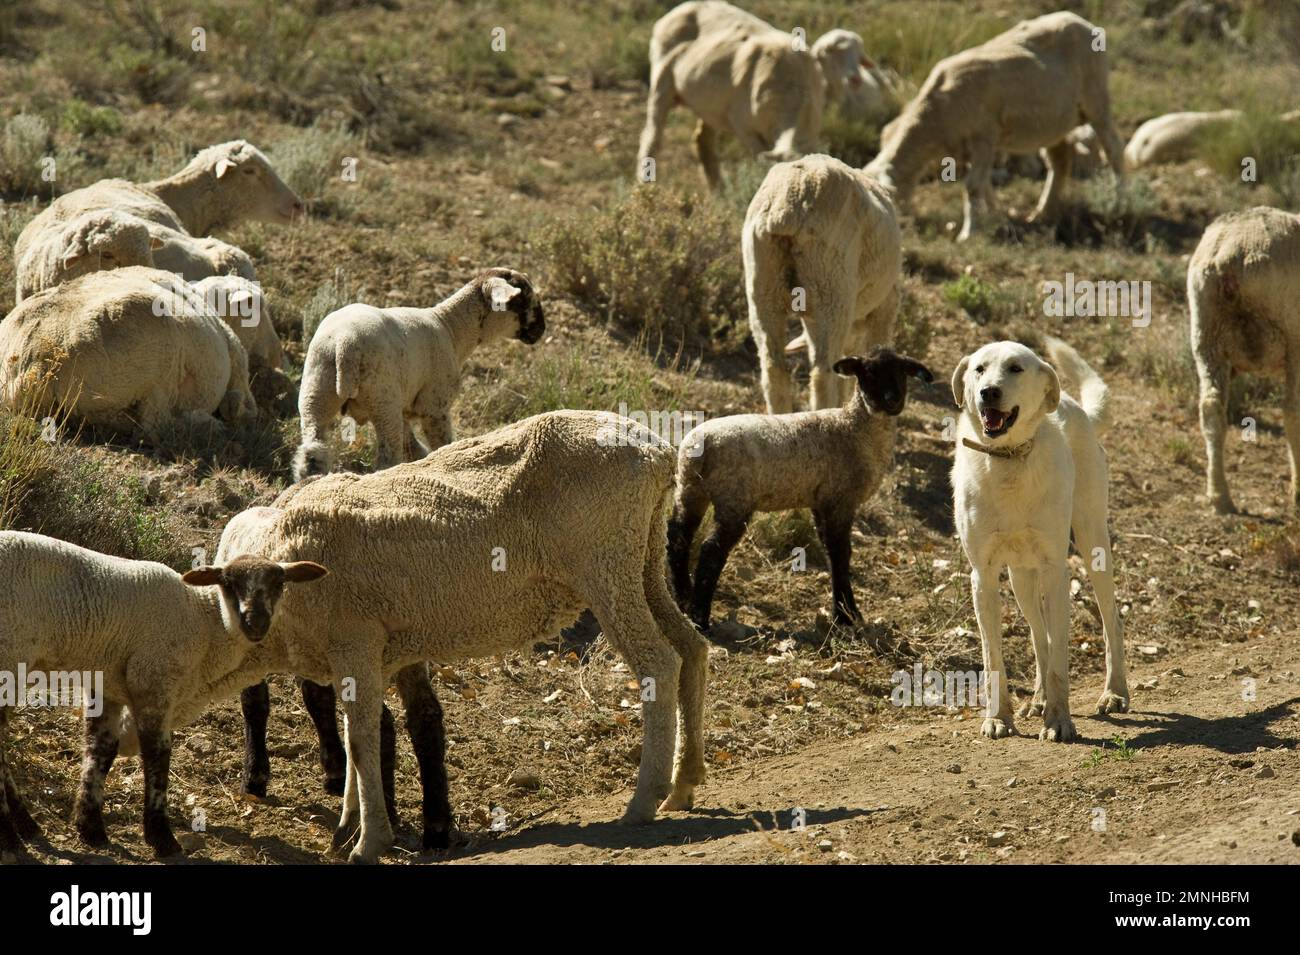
(1211, 778)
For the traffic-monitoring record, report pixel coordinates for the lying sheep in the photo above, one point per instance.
(157, 637)
(221, 187)
(1243, 282)
(1175, 137)
(862, 88)
(88, 243)
(241, 304)
(395, 366)
(195, 258)
(488, 545)
(738, 74)
(1023, 90)
(126, 349)
(821, 241)
(830, 460)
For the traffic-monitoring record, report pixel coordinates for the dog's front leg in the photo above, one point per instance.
(1026, 586)
(1057, 725)
(997, 710)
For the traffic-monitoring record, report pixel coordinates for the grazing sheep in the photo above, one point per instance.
(157, 637)
(1243, 283)
(830, 461)
(862, 89)
(128, 348)
(1023, 90)
(221, 187)
(819, 226)
(398, 366)
(485, 546)
(195, 258)
(1175, 137)
(89, 243)
(738, 74)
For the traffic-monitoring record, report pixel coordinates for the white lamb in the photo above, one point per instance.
(398, 366)
(738, 74)
(1243, 283)
(158, 638)
(89, 243)
(830, 461)
(820, 243)
(1024, 90)
(195, 258)
(485, 546)
(221, 187)
(241, 304)
(1175, 137)
(126, 349)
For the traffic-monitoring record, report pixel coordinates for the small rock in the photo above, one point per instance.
(997, 838)
(1107, 793)
(1013, 782)
(952, 768)
(1265, 772)
(200, 744)
(825, 845)
(1160, 785)
(507, 120)
(524, 778)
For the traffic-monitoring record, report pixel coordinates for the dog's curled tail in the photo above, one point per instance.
(1094, 396)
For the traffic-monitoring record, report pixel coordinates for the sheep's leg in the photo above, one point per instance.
(688, 767)
(390, 429)
(769, 297)
(10, 843)
(101, 750)
(1096, 110)
(727, 532)
(997, 712)
(685, 522)
(705, 147)
(631, 629)
(388, 762)
(438, 430)
(361, 719)
(979, 186)
(662, 97)
(424, 723)
(23, 823)
(1059, 159)
(1291, 420)
(1214, 381)
(255, 704)
(318, 700)
(836, 532)
(156, 756)
(1089, 535)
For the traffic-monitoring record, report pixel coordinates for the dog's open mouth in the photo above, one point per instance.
(997, 422)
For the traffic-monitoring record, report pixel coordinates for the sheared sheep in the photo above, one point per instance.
(398, 366)
(1175, 137)
(863, 90)
(88, 243)
(125, 349)
(1243, 283)
(221, 187)
(241, 304)
(830, 460)
(157, 637)
(738, 74)
(195, 258)
(484, 546)
(1023, 90)
(819, 231)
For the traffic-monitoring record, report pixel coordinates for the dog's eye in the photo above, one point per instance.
(1015, 369)
(979, 369)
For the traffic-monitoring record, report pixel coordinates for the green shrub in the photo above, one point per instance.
(663, 264)
(330, 296)
(312, 157)
(24, 147)
(976, 298)
(86, 120)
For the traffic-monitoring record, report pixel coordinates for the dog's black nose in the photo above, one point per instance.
(990, 394)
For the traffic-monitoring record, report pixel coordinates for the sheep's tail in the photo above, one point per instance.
(347, 371)
(1094, 396)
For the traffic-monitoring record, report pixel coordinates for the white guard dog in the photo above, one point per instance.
(1028, 468)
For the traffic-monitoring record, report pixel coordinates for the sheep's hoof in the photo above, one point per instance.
(1110, 702)
(639, 814)
(92, 832)
(343, 836)
(357, 857)
(256, 787)
(164, 845)
(24, 824)
(334, 784)
(1223, 505)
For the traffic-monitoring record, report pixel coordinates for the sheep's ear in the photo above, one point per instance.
(300, 571)
(797, 345)
(1052, 393)
(498, 292)
(223, 166)
(848, 367)
(959, 383)
(911, 366)
(239, 295)
(866, 62)
(202, 576)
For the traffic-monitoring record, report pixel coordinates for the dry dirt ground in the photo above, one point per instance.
(799, 716)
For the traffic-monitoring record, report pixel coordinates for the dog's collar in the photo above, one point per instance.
(1018, 451)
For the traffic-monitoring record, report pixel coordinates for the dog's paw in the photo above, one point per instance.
(1110, 702)
(1032, 707)
(1057, 728)
(995, 728)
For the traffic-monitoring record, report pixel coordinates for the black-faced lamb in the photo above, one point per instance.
(831, 461)
(162, 640)
(395, 367)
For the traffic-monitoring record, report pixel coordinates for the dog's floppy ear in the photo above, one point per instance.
(1052, 393)
(959, 383)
